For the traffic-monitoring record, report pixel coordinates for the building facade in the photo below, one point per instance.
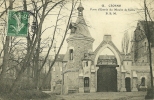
(85, 70)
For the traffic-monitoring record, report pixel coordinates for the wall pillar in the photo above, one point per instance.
(81, 84)
(96, 69)
(123, 88)
(118, 78)
(92, 82)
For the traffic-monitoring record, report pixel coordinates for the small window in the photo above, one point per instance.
(145, 46)
(143, 81)
(87, 63)
(71, 54)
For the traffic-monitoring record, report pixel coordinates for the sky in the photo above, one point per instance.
(123, 18)
(113, 17)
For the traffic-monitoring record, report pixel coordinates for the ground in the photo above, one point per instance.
(89, 96)
(104, 96)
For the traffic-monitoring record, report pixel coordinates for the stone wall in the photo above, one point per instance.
(56, 74)
(71, 81)
(80, 47)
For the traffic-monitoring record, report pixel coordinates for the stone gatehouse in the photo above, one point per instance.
(84, 70)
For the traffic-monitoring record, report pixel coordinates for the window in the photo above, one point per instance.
(145, 46)
(71, 54)
(87, 63)
(73, 29)
(143, 81)
(86, 82)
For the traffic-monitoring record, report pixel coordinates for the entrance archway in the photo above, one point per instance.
(113, 49)
(112, 72)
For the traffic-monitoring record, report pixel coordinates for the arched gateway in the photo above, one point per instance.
(83, 70)
(107, 76)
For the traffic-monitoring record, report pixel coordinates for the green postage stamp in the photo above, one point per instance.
(17, 23)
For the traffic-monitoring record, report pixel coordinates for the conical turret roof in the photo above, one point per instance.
(81, 26)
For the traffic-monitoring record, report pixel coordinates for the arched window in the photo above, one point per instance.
(71, 54)
(143, 81)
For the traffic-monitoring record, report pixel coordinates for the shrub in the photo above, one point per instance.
(150, 94)
(27, 95)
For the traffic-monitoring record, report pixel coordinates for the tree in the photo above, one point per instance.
(32, 46)
(61, 44)
(148, 34)
(6, 49)
(125, 43)
(35, 39)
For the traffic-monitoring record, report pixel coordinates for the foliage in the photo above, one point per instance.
(125, 43)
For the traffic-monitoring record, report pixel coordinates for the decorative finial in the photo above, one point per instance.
(80, 9)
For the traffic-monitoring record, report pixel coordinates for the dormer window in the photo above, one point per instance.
(73, 27)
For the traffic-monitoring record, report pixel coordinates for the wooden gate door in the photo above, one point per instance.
(107, 79)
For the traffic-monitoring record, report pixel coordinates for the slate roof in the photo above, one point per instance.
(106, 57)
(82, 27)
(151, 29)
(82, 30)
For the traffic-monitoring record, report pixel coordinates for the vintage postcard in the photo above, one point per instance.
(76, 49)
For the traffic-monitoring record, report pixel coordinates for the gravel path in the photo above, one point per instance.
(103, 96)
